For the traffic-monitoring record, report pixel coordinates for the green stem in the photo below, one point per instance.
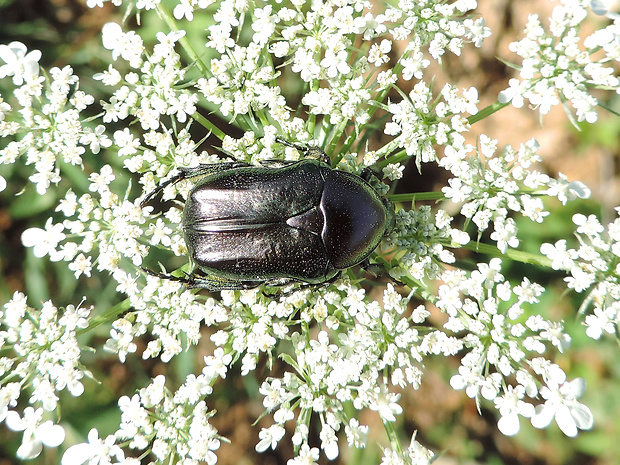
(335, 135)
(393, 437)
(371, 110)
(209, 125)
(416, 196)
(516, 255)
(608, 108)
(195, 58)
(107, 316)
(398, 157)
(496, 106)
(184, 41)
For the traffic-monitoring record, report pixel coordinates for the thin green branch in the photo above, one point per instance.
(393, 437)
(184, 41)
(412, 197)
(487, 112)
(516, 255)
(209, 125)
(609, 109)
(107, 316)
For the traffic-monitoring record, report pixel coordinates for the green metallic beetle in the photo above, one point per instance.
(279, 223)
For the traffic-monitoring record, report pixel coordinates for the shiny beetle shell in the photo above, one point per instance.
(284, 222)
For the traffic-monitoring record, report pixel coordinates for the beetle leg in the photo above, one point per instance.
(372, 268)
(219, 284)
(301, 285)
(194, 281)
(188, 173)
(183, 279)
(376, 270)
(162, 186)
(368, 173)
(310, 151)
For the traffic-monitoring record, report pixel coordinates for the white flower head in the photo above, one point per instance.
(45, 240)
(386, 403)
(565, 191)
(561, 404)
(127, 45)
(111, 34)
(306, 456)
(606, 8)
(95, 451)
(269, 437)
(23, 66)
(37, 432)
(510, 406)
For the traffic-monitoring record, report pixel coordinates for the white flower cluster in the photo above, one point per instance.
(555, 69)
(593, 267)
(49, 130)
(341, 349)
(105, 230)
(149, 94)
(319, 46)
(420, 120)
(167, 424)
(503, 342)
(41, 357)
(364, 354)
(167, 312)
(415, 454)
(424, 235)
(490, 186)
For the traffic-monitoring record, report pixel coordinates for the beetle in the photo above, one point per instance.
(279, 223)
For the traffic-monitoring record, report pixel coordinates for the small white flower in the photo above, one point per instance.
(45, 240)
(93, 452)
(510, 406)
(81, 265)
(336, 63)
(468, 378)
(393, 171)
(36, 432)
(565, 191)
(217, 364)
(357, 434)
(306, 456)
(100, 181)
(329, 442)
(418, 454)
(19, 64)
(269, 437)
(413, 66)
(562, 257)
(602, 320)
(184, 9)
(386, 403)
(111, 34)
(561, 404)
(96, 138)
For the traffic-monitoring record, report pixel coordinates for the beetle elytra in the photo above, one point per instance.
(279, 223)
